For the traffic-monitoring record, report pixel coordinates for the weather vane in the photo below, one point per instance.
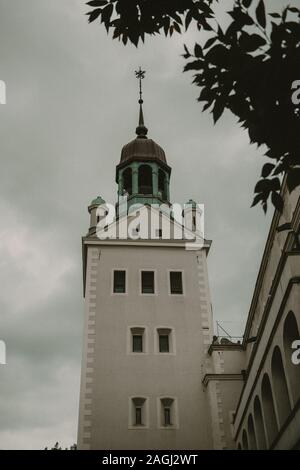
(141, 129)
(140, 75)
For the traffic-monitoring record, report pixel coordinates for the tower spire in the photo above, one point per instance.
(141, 130)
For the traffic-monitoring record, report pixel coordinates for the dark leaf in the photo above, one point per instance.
(284, 14)
(207, 105)
(265, 206)
(166, 22)
(275, 184)
(267, 169)
(262, 186)
(293, 179)
(221, 35)
(107, 12)
(247, 3)
(176, 17)
(187, 53)
(266, 185)
(188, 19)
(241, 19)
(177, 27)
(93, 15)
(218, 55)
(195, 65)
(257, 199)
(272, 154)
(277, 201)
(204, 24)
(198, 50)
(209, 42)
(218, 109)
(261, 13)
(205, 94)
(97, 3)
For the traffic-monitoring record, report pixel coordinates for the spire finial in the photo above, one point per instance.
(141, 130)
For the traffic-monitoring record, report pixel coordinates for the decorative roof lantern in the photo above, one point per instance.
(143, 174)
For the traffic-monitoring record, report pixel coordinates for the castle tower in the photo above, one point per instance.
(148, 321)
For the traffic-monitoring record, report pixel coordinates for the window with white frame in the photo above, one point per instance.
(147, 282)
(176, 284)
(119, 282)
(168, 413)
(164, 340)
(138, 340)
(138, 412)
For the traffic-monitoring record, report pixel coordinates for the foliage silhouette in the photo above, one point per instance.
(133, 19)
(249, 69)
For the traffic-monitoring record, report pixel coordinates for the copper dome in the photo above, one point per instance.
(142, 148)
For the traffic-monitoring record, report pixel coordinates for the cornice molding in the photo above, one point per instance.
(217, 377)
(225, 347)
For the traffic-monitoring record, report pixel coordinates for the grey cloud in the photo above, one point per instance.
(71, 105)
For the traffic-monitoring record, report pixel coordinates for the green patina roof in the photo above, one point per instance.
(98, 201)
(192, 203)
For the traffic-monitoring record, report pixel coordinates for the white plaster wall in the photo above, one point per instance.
(116, 375)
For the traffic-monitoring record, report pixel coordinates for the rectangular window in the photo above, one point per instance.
(137, 343)
(138, 413)
(119, 282)
(164, 343)
(138, 416)
(176, 282)
(147, 282)
(167, 416)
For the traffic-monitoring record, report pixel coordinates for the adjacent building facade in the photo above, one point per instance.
(154, 376)
(266, 399)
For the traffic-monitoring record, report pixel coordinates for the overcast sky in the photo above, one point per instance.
(71, 106)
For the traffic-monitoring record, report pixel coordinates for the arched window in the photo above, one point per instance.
(162, 184)
(245, 440)
(291, 334)
(259, 425)
(127, 180)
(145, 179)
(281, 393)
(251, 434)
(268, 409)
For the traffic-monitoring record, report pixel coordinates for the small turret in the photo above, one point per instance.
(192, 216)
(94, 219)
